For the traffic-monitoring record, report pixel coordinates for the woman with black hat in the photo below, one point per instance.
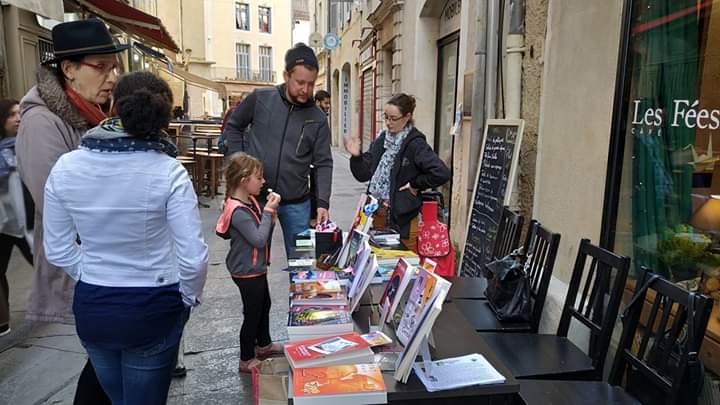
(67, 100)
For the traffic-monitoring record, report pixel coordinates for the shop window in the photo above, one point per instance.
(242, 16)
(265, 19)
(669, 205)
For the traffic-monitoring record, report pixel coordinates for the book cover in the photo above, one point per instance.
(376, 338)
(342, 256)
(312, 316)
(309, 276)
(363, 282)
(337, 380)
(397, 284)
(317, 298)
(422, 292)
(315, 288)
(324, 347)
(358, 267)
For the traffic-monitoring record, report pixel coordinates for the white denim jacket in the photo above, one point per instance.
(136, 217)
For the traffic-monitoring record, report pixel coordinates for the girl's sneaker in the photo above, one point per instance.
(248, 365)
(4, 330)
(269, 350)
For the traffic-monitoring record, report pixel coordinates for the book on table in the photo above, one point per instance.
(376, 338)
(311, 276)
(399, 280)
(343, 384)
(313, 298)
(426, 287)
(390, 257)
(318, 320)
(362, 282)
(318, 287)
(361, 223)
(349, 348)
(357, 267)
(418, 337)
(457, 372)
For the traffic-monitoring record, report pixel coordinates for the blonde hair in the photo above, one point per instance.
(239, 167)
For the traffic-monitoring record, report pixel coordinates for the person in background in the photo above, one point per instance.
(399, 164)
(143, 261)
(249, 228)
(322, 100)
(64, 104)
(12, 205)
(288, 134)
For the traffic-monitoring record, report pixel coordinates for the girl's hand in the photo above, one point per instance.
(408, 187)
(352, 144)
(273, 200)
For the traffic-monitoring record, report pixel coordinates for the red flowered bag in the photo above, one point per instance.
(433, 241)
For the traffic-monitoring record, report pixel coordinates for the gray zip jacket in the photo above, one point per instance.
(250, 232)
(287, 138)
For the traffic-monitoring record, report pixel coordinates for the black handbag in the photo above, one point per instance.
(508, 289)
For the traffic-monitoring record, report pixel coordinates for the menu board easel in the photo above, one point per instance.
(494, 184)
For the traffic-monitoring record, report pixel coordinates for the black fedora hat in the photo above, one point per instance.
(83, 37)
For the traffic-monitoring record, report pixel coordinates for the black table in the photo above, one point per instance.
(453, 338)
(468, 288)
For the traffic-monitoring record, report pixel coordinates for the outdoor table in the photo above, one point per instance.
(453, 337)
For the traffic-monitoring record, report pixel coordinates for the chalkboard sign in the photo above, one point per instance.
(493, 187)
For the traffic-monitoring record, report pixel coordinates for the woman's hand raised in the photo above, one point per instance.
(352, 144)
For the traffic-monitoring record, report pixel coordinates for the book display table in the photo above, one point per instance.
(452, 336)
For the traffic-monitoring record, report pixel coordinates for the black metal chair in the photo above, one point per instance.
(645, 362)
(543, 356)
(506, 240)
(541, 247)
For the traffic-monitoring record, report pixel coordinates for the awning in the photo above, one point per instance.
(132, 21)
(193, 79)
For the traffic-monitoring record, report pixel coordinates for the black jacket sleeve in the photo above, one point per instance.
(433, 172)
(240, 118)
(361, 166)
(323, 162)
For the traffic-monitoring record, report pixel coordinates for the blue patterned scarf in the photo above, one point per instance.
(110, 136)
(380, 183)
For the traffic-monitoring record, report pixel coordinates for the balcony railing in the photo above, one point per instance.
(240, 74)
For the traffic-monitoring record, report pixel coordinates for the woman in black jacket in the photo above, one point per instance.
(399, 164)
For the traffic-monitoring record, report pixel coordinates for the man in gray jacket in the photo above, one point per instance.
(288, 133)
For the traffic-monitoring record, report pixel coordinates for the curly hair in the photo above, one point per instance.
(5, 107)
(239, 167)
(144, 103)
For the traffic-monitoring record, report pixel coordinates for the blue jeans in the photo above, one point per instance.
(137, 375)
(294, 219)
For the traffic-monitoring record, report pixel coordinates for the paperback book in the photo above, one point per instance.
(394, 290)
(316, 288)
(311, 276)
(349, 348)
(344, 384)
(318, 320)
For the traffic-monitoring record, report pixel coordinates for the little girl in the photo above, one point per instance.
(249, 228)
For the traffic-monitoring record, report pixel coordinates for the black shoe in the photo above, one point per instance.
(4, 330)
(179, 372)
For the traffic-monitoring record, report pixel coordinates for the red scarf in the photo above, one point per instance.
(92, 113)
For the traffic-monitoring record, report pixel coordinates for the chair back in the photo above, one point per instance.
(660, 359)
(541, 249)
(508, 234)
(596, 305)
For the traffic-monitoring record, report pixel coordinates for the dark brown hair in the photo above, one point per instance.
(404, 102)
(240, 166)
(5, 107)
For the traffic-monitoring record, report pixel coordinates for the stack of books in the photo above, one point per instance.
(385, 238)
(390, 257)
(318, 306)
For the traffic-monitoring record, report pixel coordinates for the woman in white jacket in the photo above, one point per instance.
(121, 219)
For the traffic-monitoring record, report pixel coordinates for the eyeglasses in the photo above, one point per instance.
(392, 119)
(102, 68)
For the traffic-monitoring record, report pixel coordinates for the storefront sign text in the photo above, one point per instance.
(685, 113)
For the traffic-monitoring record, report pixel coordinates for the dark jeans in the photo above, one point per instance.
(7, 243)
(293, 220)
(137, 375)
(89, 391)
(255, 330)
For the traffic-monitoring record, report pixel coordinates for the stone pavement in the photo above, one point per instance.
(40, 363)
